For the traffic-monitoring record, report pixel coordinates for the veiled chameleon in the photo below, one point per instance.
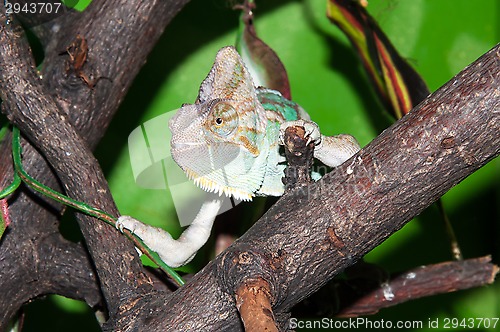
(228, 142)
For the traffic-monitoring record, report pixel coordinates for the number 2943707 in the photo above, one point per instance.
(32, 7)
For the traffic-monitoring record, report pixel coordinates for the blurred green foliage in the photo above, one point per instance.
(439, 38)
(79, 5)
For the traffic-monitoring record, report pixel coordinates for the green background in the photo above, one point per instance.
(439, 38)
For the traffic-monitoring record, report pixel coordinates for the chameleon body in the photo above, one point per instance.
(233, 149)
(228, 142)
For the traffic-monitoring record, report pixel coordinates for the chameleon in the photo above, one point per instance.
(228, 142)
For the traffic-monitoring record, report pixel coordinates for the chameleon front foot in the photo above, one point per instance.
(330, 150)
(312, 133)
(126, 222)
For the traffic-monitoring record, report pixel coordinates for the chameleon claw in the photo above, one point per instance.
(119, 224)
(127, 222)
(311, 128)
(312, 132)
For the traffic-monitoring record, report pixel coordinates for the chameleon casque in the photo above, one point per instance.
(227, 142)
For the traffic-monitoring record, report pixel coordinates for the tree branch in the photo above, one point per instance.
(420, 282)
(48, 121)
(254, 306)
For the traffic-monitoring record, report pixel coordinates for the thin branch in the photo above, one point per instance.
(421, 282)
(254, 304)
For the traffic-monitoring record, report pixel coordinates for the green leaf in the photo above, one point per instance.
(79, 5)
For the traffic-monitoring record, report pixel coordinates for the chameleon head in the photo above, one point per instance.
(219, 140)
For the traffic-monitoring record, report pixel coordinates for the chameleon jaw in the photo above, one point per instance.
(209, 185)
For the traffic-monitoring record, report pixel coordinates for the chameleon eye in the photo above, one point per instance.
(223, 119)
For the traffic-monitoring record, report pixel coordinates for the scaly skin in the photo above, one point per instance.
(227, 141)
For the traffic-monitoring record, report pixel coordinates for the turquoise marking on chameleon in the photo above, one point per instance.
(252, 135)
(273, 101)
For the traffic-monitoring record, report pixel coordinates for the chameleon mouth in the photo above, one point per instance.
(211, 186)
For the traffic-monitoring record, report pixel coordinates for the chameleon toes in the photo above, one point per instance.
(311, 128)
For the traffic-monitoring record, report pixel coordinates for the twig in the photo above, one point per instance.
(421, 282)
(253, 300)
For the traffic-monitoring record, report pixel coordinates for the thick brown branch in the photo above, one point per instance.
(40, 258)
(29, 106)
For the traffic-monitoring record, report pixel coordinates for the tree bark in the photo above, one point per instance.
(303, 241)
